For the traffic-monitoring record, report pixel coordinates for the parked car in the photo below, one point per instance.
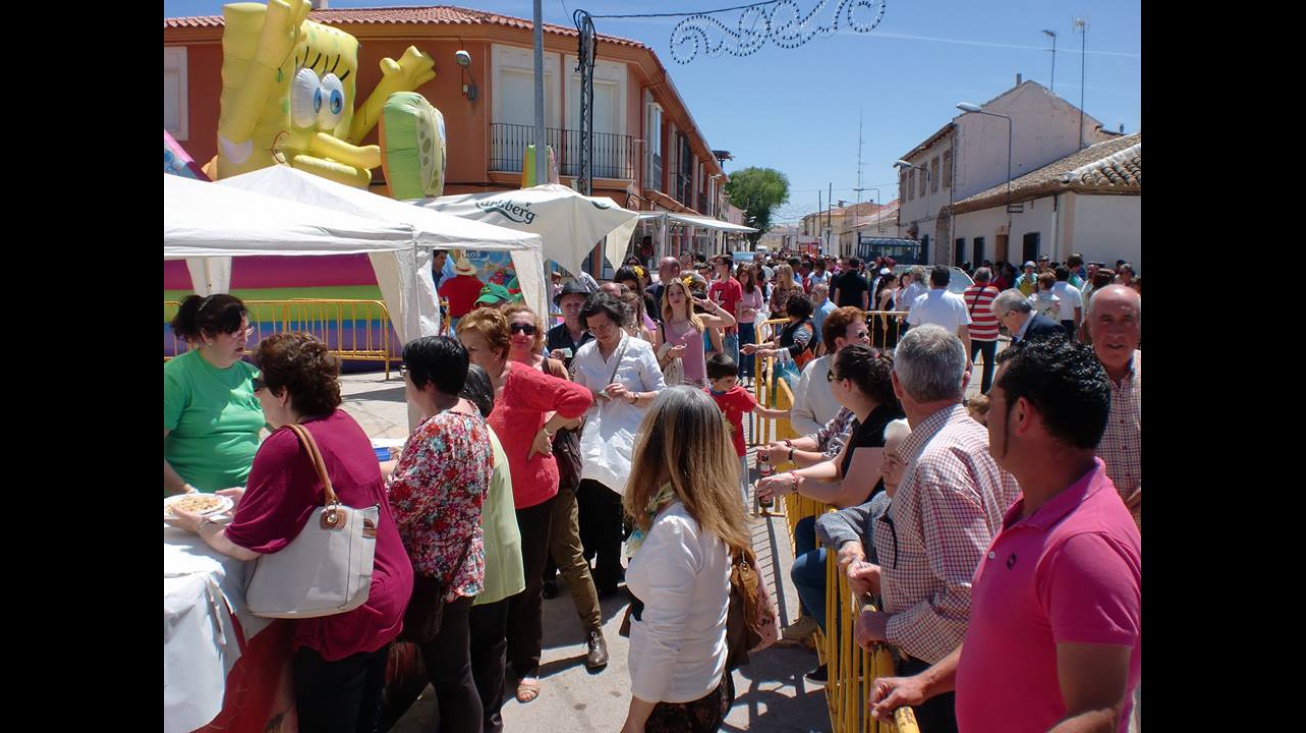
(957, 282)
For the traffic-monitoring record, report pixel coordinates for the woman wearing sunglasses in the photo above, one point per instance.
(529, 408)
(211, 418)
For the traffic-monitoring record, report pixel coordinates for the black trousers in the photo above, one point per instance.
(989, 349)
(601, 520)
(448, 660)
(525, 623)
(344, 696)
(489, 628)
(939, 713)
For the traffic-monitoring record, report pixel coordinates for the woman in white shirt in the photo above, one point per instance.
(623, 374)
(683, 495)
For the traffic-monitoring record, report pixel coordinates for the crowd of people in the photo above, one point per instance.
(998, 537)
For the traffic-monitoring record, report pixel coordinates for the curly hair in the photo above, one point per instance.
(492, 325)
(1065, 382)
(836, 324)
(300, 364)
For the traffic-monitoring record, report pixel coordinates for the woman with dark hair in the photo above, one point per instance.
(529, 408)
(862, 382)
(211, 419)
(340, 660)
(437, 490)
(504, 575)
(623, 376)
(793, 345)
(683, 498)
(646, 315)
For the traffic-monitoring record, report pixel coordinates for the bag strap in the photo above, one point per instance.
(315, 455)
(620, 353)
(461, 559)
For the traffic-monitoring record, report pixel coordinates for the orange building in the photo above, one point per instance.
(648, 153)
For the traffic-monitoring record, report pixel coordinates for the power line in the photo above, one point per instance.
(697, 12)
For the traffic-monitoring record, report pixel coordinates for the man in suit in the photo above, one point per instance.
(1016, 312)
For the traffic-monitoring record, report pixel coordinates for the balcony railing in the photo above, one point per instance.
(612, 153)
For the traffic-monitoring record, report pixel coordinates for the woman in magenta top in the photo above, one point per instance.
(529, 406)
(339, 662)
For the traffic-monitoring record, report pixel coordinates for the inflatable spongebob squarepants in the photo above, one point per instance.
(288, 92)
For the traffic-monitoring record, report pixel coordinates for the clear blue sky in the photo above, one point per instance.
(796, 110)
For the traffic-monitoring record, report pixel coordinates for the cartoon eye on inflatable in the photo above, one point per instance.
(333, 102)
(305, 98)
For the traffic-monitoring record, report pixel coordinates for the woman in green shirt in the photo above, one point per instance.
(211, 419)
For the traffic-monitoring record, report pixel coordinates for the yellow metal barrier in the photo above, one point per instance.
(356, 330)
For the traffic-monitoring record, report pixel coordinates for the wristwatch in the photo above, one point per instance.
(791, 454)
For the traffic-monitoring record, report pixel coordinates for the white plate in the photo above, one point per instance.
(224, 503)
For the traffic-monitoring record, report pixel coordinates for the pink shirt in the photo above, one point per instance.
(518, 415)
(1070, 573)
(280, 496)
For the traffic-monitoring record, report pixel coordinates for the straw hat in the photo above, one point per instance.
(464, 267)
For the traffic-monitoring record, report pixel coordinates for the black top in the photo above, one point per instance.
(559, 337)
(851, 285)
(870, 434)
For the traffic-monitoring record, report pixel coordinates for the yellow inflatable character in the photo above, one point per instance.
(288, 92)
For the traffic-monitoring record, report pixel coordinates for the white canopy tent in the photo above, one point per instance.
(663, 218)
(569, 222)
(402, 279)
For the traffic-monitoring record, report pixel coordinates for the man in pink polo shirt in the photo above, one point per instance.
(1055, 634)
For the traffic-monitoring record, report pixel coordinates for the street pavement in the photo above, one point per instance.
(771, 694)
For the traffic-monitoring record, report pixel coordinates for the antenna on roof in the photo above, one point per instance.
(1081, 25)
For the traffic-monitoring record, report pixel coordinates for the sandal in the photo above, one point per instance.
(528, 689)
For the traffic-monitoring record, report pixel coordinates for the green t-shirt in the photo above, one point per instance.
(213, 419)
(504, 573)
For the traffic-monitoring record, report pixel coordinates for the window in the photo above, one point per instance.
(977, 245)
(903, 187)
(923, 179)
(934, 175)
(911, 184)
(947, 169)
(653, 144)
(176, 118)
(959, 250)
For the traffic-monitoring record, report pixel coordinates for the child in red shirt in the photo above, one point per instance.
(735, 402)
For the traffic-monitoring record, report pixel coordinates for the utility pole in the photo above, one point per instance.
(541, 145)
(1082, 25)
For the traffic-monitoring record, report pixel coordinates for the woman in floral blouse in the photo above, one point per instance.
(436, 492)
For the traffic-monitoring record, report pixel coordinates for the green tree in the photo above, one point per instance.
(758, 191)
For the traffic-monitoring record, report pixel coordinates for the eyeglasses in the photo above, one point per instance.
(526, 328)
(830, 376)
(242, 334)
(863, 334)
(608, 327)
(259, 384)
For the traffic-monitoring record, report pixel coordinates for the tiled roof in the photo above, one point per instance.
(432, 15)
(1111, 167)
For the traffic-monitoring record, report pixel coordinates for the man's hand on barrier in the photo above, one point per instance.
(890, 693)
(872, 627)
(849, 553)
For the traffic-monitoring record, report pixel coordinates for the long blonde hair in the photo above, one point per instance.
(683, 441)
(668, 313)
(784, 277)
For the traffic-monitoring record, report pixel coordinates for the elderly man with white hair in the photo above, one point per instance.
(1115, 321)
(947, 509)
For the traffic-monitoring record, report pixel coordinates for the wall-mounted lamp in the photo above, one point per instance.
(464, 61)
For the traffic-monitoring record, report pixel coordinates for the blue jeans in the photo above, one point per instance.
(808, 571)
(747, 335)
(730, 343)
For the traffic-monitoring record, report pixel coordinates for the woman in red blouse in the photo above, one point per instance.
(529, 407)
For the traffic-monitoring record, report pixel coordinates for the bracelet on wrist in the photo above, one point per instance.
(788, 443)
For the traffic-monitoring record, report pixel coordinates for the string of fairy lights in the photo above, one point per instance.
(780, 22)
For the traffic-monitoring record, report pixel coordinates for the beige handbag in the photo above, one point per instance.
(327, 568)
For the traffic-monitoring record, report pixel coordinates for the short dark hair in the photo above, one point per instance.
(794, 262)
(199, 316)
(798, 306)
(854, 262)
(625, 273)
(479, 390)
(940, 275)
(303, 366)
(727, 260)
(1062, 273)
(870, 369)
(438, 360)
(721, 366)
(1065, 382)
(1075, 260)
(605, 304)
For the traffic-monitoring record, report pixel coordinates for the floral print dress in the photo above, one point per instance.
(436, 492)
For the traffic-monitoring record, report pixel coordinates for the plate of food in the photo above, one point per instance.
(202, 504)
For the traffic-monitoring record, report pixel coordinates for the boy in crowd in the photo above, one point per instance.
(735, 402)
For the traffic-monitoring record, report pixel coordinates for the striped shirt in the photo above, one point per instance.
(947, 510)
(1122, 443)
(983, 324)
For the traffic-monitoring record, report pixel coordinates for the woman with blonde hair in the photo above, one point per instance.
(681, 333)
(683, 497)
(785, 287)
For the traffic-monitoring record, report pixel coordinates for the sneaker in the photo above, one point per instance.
(597, 657)
(820, 675)
(804, 627)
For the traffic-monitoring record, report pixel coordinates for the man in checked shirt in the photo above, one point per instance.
(947, 510)
(1115, 320)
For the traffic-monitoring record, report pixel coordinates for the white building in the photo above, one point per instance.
(971, 153)
(1090, 202)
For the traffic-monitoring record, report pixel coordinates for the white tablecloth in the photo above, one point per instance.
(201, 590)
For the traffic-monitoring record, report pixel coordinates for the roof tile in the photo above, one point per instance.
(1113, 166)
